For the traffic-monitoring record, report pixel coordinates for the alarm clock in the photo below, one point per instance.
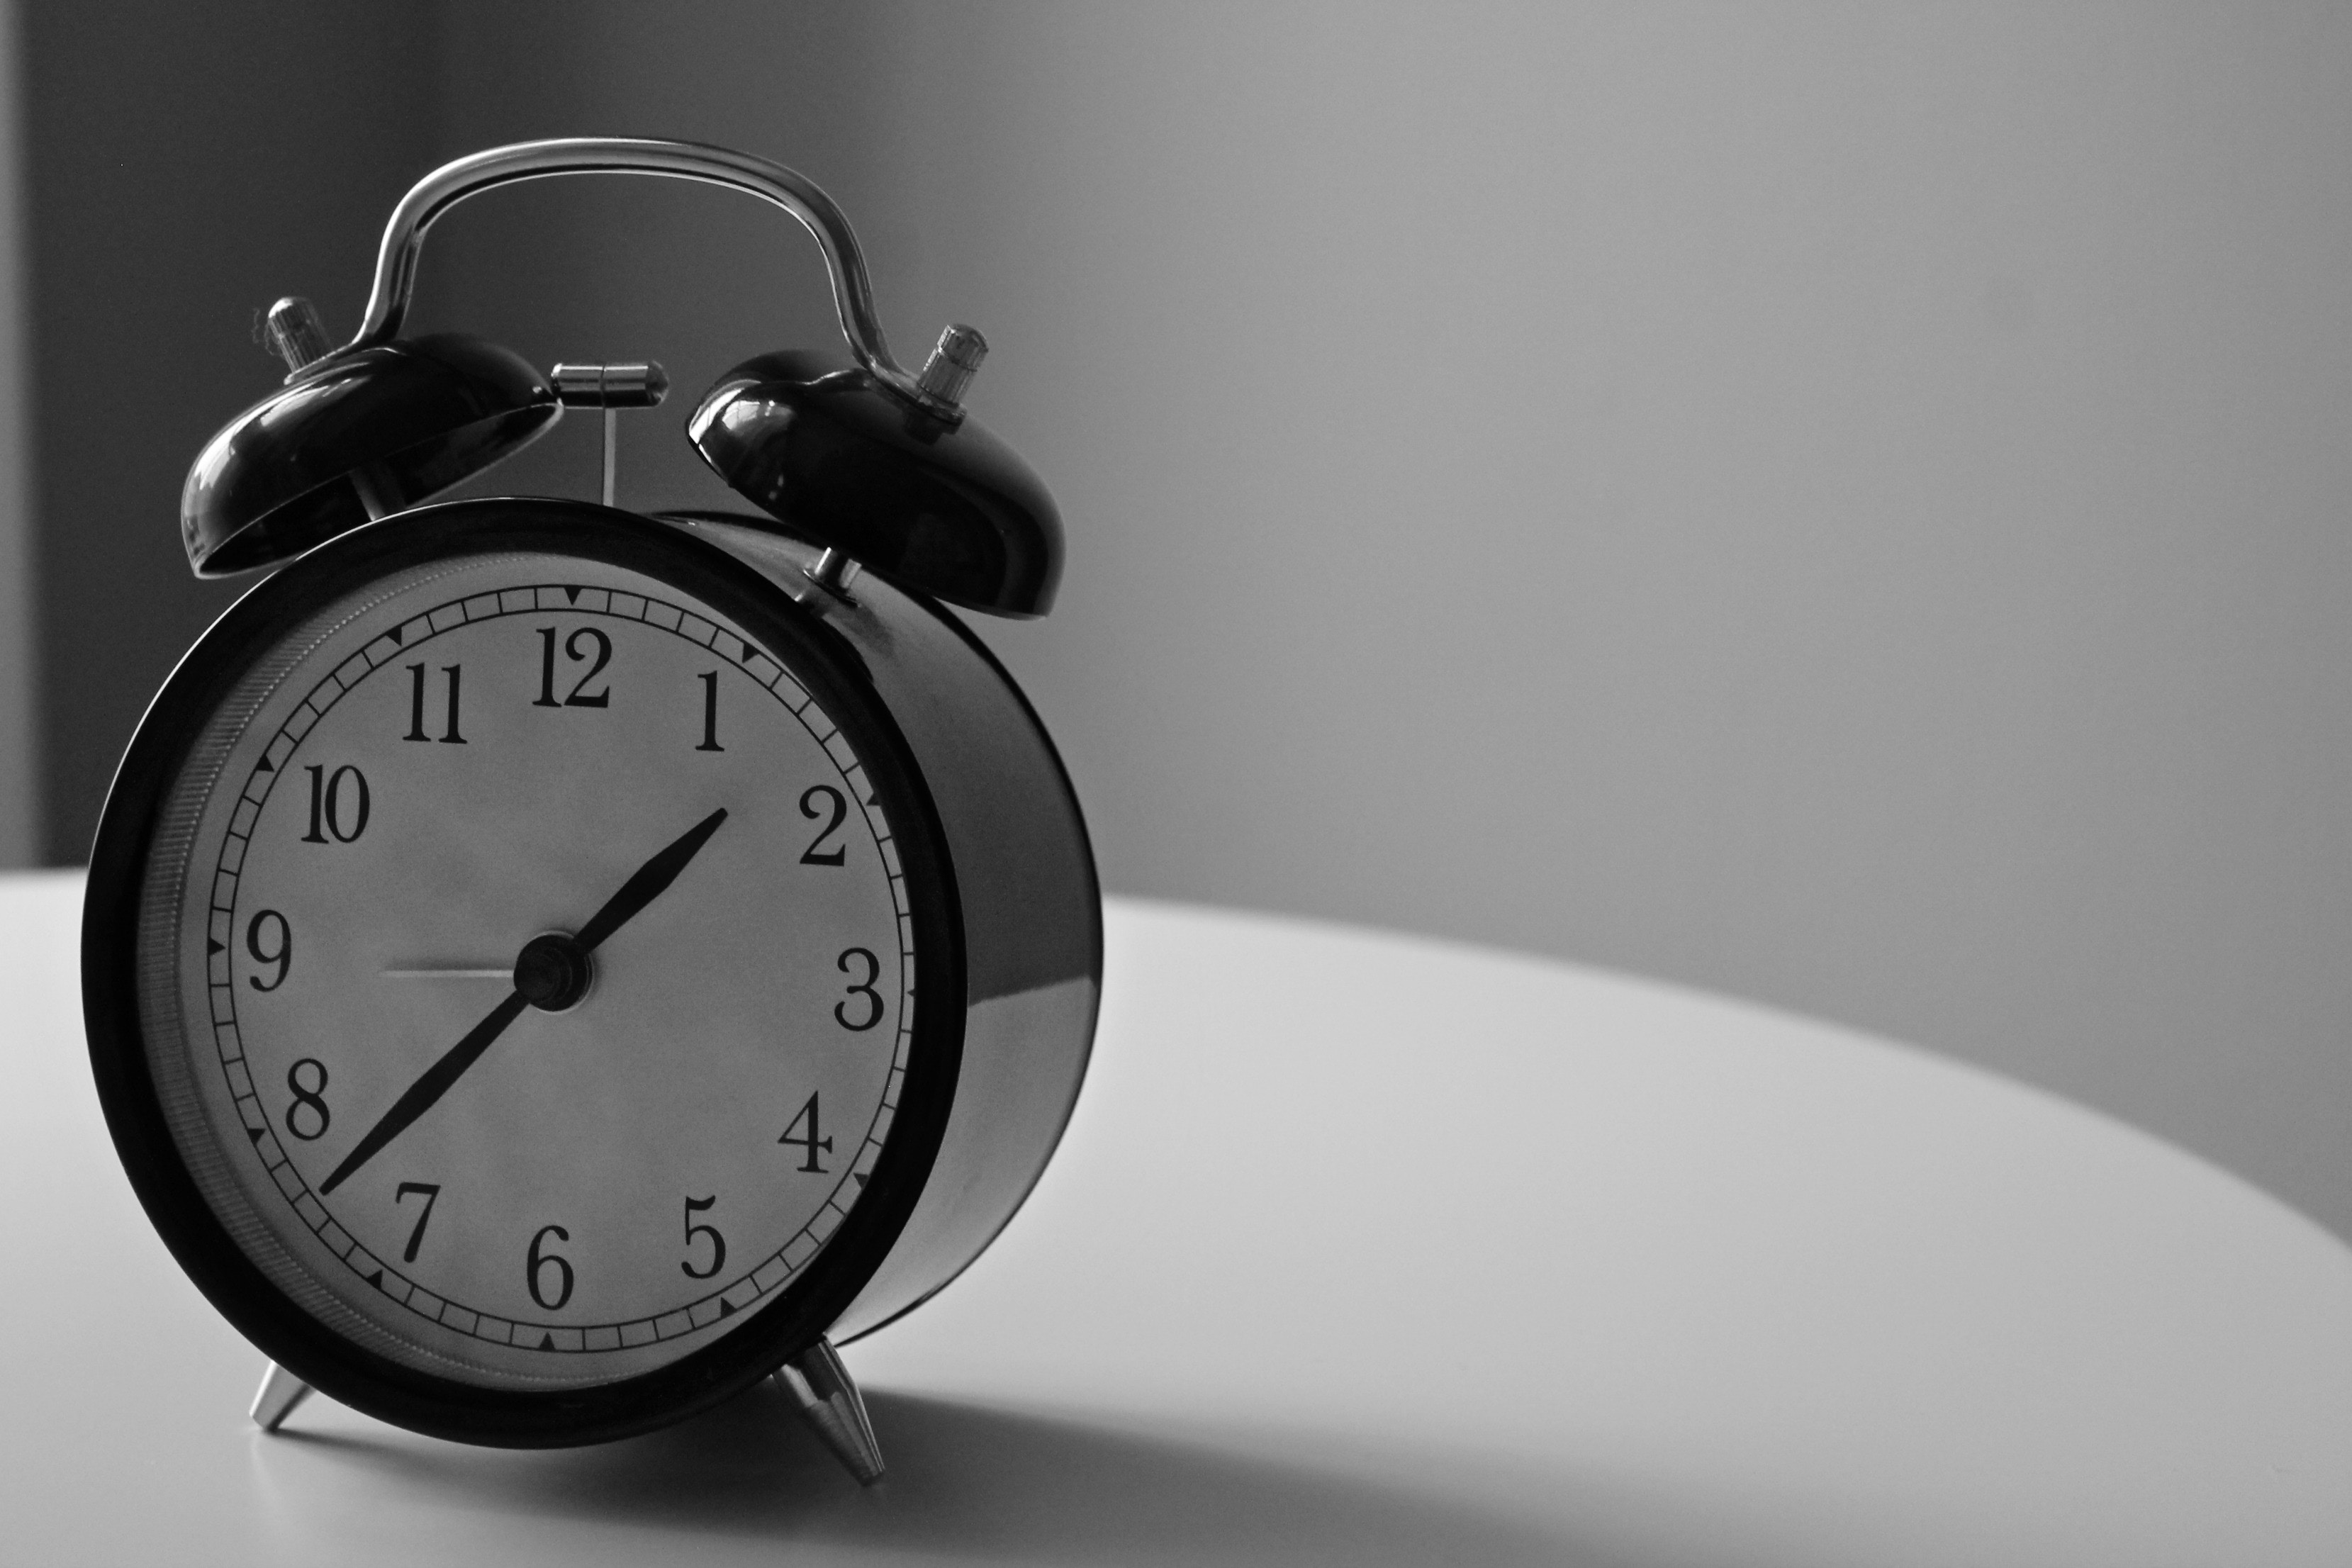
(548, 967)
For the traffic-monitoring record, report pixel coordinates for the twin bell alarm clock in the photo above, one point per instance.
(549, 967)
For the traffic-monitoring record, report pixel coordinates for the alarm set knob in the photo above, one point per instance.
(296, 334)
(953, 362)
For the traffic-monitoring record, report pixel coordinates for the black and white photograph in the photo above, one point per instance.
(1101, 781)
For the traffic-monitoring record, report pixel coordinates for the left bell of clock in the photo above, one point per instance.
(353, 437)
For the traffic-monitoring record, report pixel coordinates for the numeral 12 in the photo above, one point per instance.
(580, 695)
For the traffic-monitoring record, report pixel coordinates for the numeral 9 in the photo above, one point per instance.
(282, 955)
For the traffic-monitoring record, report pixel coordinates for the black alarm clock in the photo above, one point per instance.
(549, 967)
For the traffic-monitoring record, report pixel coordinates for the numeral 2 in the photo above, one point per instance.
(815, 854)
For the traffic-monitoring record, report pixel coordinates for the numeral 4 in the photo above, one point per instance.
(809, 1142)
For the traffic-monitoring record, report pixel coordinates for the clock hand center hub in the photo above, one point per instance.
(554, 971)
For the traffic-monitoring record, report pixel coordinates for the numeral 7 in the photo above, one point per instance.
(430, 1190)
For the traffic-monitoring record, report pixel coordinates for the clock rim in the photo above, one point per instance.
(191, 1230)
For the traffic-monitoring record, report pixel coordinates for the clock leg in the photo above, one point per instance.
(279, 1393)
(820, 1385)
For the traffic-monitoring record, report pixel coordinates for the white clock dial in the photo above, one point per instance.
(436, 773)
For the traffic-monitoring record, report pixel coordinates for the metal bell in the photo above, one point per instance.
(917, 491)
(353, 437)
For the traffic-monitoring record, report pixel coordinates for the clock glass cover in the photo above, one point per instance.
(542, 956)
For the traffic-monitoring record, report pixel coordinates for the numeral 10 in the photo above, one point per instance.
(334, 811)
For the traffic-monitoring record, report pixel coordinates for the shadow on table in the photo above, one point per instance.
(965, 1480)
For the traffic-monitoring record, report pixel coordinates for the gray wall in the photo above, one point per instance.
(19, 776)
(1839, 505)
(187, 164)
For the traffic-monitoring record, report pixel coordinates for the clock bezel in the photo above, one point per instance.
(832, 672)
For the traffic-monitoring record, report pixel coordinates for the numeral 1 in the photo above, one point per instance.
(710, 680)
(416, 706)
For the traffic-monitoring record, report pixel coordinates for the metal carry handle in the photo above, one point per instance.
(937, 390)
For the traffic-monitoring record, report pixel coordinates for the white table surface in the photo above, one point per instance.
(1360, 1249)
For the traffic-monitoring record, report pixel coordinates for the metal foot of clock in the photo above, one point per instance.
(274, 1400)
(819, 1386)
(830, 1401)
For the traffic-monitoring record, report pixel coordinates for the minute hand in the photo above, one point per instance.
(640, 889)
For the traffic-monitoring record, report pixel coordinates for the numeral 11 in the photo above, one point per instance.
(416, 706)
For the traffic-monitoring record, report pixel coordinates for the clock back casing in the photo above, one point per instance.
(1030, 908)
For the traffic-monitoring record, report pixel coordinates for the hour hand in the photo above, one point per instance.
(649, 883)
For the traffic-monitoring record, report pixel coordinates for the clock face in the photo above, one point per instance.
(531, 968)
